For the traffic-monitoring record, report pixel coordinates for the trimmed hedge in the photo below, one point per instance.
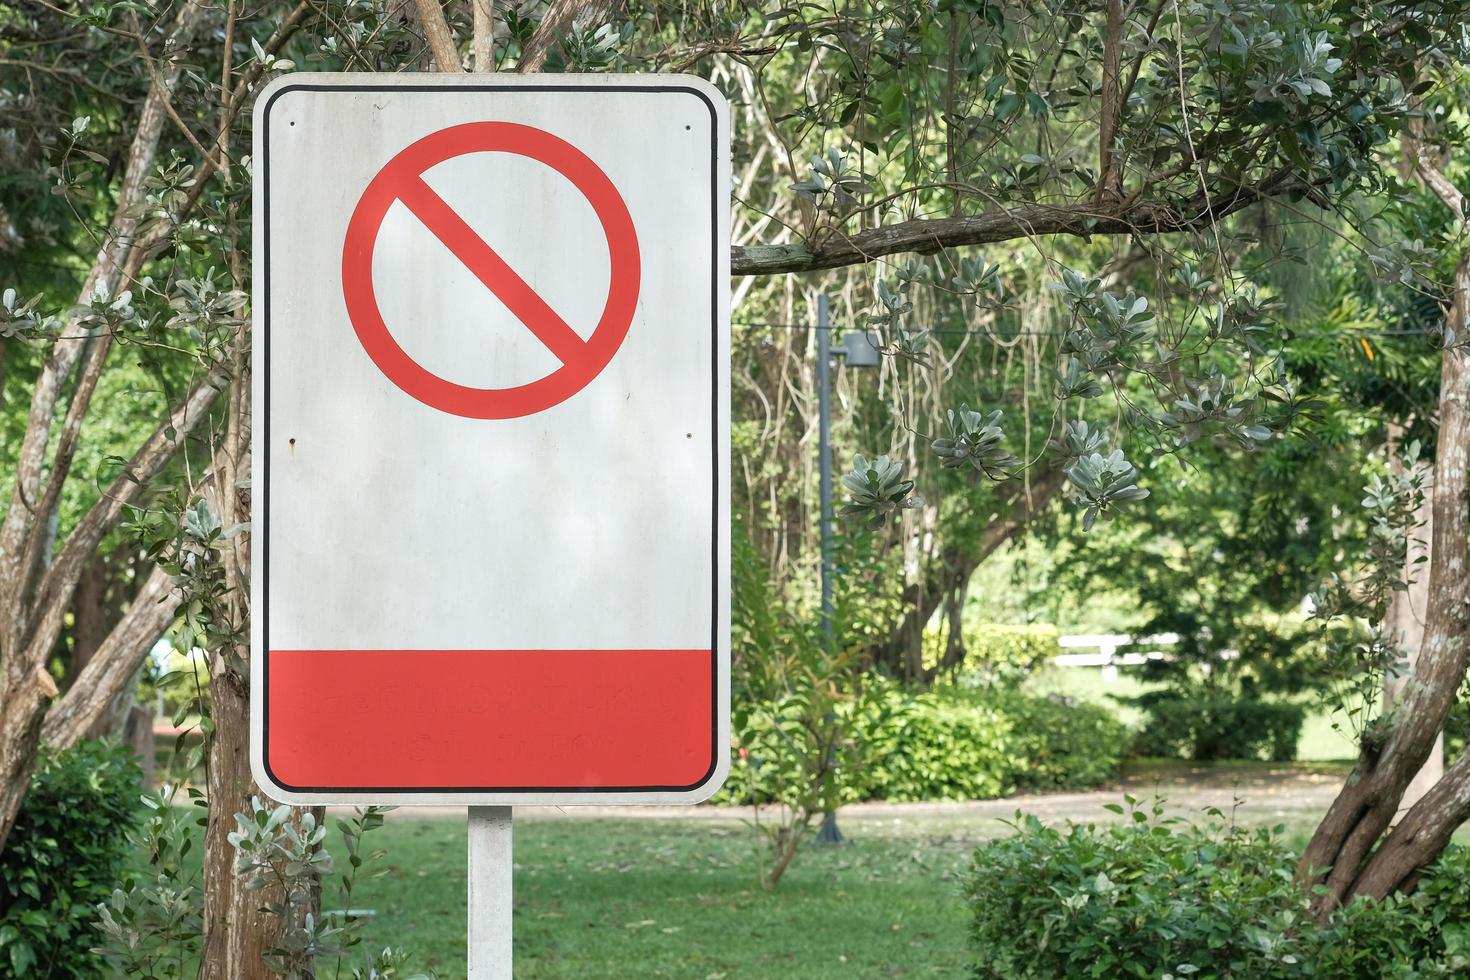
(1206, 728)
(937, 749)
(957, 744)
(946, 744)
(1006, 655)
(62, 858)
(1153, 898)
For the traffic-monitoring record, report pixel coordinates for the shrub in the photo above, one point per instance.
(62, 857)
(1063, 743)
(805, 751)
(1001, 654)
(1212, 727)
(1155, 897)
(946, 744)
(938, 749)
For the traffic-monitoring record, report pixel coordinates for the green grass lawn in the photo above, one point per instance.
(1320, 741)
(612, 898)
(679, 897)
(672, 898)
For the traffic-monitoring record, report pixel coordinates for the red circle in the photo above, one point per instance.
(400, 176)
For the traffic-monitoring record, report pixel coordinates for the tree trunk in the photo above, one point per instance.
(236, 933)
(29, 626)
(561, 17)
(20, 733)
(902, 651)
(954, 640)
(1405, 623)
(24, 700)
(482, 37)
(1392, 754)
(1421, 835)
(91, 617)
(137, 734)
(88, 703)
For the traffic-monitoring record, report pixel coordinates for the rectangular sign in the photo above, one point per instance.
(491, 448)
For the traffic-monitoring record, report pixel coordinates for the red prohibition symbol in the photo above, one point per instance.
(402, 180)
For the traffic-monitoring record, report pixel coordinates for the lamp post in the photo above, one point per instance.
(858, 351)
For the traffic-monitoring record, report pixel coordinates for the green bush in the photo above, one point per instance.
(62, 857)
(1154, 897)
(1002, 654)
(1208, 727)
(805, 749)
(1063, 743)
(937, 749)
(947, 744)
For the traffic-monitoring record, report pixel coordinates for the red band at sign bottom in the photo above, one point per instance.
(490, 719)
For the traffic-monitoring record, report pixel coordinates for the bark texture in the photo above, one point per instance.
(1405, 620)
(928, 235)
(1420, 836)
(482, 35)
(236, 933)
(1341, 852)
(438, 35)
(111, 671)
(31, 615)
(560, 17)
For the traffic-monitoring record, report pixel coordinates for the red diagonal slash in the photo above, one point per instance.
(487, 265)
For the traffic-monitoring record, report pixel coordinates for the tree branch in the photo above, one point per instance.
(164, 86)
(559, 17)
(691, 56)
(440, 37)
(114, 664)
(61, 578)
(1108, 117)
(1443, 189)
(66, 445)
(482, 38)
(107, 269)
(1420, 836)
(929, 235)
(1137, 66)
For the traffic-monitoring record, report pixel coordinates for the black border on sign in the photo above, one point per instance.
(264, 538)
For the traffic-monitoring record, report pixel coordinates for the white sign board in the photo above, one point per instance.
(491, 413)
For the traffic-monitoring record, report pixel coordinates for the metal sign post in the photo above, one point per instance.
(490, 898)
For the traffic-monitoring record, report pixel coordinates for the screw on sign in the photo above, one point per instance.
(402, 181)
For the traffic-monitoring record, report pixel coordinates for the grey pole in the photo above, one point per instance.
(828, 834)
(490, 893)
(824, 450)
